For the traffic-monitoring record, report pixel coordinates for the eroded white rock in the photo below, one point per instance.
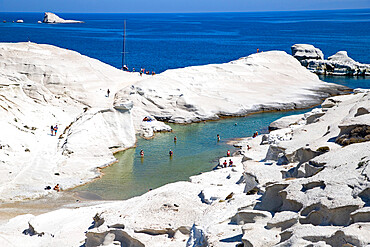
(53, 18)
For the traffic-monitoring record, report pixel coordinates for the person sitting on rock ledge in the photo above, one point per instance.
(255, 134)
(56, 187)
(224, 164)
(231, 163)
(147, 119)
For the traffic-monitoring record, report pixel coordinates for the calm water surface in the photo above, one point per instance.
(196, 150)
(164, 41)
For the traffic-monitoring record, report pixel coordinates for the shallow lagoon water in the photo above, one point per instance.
(196, 150)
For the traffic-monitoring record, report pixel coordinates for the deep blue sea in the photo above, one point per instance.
(165, 41)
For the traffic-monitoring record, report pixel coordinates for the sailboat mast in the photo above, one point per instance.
(124, 44)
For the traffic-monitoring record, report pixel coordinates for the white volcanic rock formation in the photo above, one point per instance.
(320, 197)
(42, 85)
(260, 82)
(53, 18)
(306, 51)
(338, 64)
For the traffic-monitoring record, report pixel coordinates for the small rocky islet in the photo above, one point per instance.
(339, 64)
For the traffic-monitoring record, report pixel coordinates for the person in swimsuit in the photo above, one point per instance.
(230, 163)
(56, 129)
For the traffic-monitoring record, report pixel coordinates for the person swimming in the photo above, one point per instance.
(218, 137)
(175, 139)
(142, 153)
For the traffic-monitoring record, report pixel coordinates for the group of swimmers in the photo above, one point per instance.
(228, 154)
(54, 130)
(142, 153)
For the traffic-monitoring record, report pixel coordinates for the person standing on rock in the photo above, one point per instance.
(108, 92)
(55, 129)
(228, 153)
(52, 130)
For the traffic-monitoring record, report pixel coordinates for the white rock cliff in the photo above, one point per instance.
(320, 197)
(42, 85)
